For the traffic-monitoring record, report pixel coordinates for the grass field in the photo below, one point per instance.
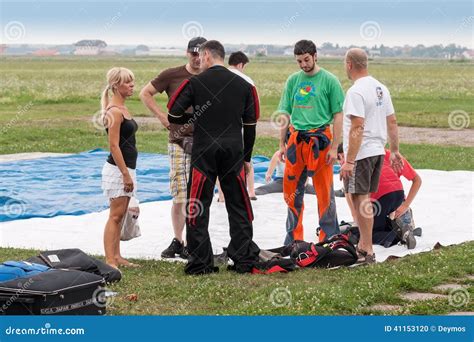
(163, 289)
(72, 136)
(48, 104)
(424, 92)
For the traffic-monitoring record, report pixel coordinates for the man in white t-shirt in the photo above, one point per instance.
(237, 62)
(368, 117)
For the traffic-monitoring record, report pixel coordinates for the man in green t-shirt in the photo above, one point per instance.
(311, 101)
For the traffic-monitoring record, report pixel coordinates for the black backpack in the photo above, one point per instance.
(76, 259)
(337, 251)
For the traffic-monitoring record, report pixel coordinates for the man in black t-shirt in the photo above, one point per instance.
(180, 138)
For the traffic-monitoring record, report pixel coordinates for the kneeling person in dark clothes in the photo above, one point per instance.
(393, 218)
(393, 221)
(223, 104)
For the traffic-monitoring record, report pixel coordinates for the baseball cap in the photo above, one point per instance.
(195, 43)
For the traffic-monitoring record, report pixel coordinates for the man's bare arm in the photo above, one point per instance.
(395, 158)
(392, 130)
(147, 97)
(284, 124)
(331, 157)
(356, 134)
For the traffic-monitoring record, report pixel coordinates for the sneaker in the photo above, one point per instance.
(417, 231)
(351, 230)
(409, 239)
(184, 253)
(405, 226)
(364, 258)
(339, 193)
(175, 247)
(221, 259)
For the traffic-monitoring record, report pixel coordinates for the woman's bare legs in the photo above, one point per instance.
(118, 208)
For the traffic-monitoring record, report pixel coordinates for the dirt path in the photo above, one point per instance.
(409, 135)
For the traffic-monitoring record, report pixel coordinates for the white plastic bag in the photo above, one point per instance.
(130, 228)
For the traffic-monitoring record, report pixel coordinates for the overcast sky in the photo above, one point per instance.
(166, 23)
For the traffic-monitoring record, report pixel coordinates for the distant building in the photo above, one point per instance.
(64, 49)
(262, 51)
(159, 52)
(332, 53)
(45, 52)
(142, 48)
(18, 50)
(108, 52)
(374, 53)
(89, 47)
(288, 51)
(468, 54)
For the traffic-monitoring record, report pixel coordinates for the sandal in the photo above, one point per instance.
(364, 257)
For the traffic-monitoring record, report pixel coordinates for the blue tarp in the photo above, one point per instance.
(71, 185)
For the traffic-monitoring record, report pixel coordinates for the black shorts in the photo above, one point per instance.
(365, 176)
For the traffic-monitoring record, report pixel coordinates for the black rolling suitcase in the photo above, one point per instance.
(54, 292)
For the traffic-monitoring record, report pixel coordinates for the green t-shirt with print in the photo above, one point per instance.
(311, 101)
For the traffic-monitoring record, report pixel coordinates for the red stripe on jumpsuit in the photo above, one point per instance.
(176, 94)
(241, 177)
(256, 103)
(197, 185)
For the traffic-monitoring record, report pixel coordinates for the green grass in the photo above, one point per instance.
(71, 136)
(47, 104)
(439, 157)
(163, 289)
(423, 92)
(75, 135)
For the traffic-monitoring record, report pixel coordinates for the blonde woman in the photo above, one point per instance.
(118, 174)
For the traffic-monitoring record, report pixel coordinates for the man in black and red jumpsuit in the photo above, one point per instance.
(223, 104)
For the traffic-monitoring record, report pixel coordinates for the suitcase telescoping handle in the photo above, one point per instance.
(45, 260)
(49, 264)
